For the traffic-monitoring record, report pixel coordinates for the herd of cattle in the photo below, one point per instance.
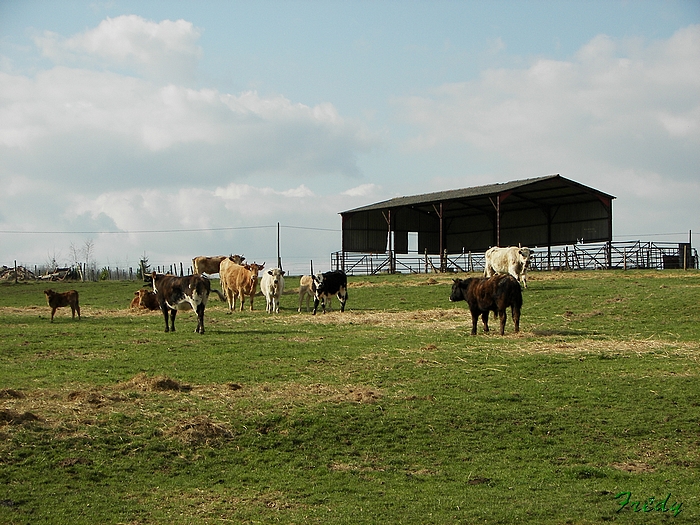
(499, 289)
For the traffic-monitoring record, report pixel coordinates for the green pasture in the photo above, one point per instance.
(388, 413)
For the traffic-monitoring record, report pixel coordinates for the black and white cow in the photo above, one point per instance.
(329, 284)
(175, 292)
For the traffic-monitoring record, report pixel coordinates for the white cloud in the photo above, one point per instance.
(617, 101)
(363, 190)
(163, 50)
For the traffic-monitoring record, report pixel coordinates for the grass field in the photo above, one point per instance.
(388, 413)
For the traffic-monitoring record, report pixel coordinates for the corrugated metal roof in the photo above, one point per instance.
(488, 190)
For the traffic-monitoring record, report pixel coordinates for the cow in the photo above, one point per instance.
(57, 299)
(490, 294)
(238, 280)
(145, 299)
(329, 284)
(210, 265)
(272, 287)
(173, 291)
(513, 260)
(306, 290)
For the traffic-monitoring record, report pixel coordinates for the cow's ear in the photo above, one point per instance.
(282, 273)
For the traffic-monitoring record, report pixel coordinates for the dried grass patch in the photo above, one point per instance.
(635, 467)
(154, 384)
(200, 430)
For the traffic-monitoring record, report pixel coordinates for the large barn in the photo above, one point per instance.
(540, 212)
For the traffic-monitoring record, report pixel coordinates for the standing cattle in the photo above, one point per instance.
(329, 284)
(513, 260)
(272, 286)
(173, 291)
(493, 294)
(238, 280)
(145, 299)
(56, 300)
(211, 265)
(306, 290)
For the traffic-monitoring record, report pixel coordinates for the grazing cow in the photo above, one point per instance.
(57, 299)
(329, 284)
(145, 299)
(306, 290)
(513, 260)
(211, 265)
(272, 286)
(238, 280)
(492, 294)
(173, 291)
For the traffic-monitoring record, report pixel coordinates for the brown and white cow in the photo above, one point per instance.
(173, 291)
(272, 287)
(57, 299)
(238, 281)
(492, 294)
(145, 299)
(306, 290)
(513, 260)
(211, 265)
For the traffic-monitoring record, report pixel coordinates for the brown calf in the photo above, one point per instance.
(145, 299)
(56, 300)
(493, 294)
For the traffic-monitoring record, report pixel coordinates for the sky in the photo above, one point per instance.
(176, 129)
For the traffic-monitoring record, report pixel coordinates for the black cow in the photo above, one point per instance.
(493, 294)
(177, 292)
(328, 284)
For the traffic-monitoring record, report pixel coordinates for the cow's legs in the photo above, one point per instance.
(502, 316)
(342, 297)
(200, 318)
(53, 312)
(475, 320)
(485, 320)
(515, 312)
(173, 313)
(316, 301)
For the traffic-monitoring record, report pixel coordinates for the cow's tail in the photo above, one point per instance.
(221, 296)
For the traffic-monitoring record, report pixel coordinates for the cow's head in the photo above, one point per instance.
(525, 254)
(238, 259)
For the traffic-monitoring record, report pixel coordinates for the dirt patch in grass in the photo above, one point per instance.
(635, 467)
(11, 417)
(200, 430)
(154, 384)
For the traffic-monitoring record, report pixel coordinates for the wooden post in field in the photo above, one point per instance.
(279, 257)
(15, 272)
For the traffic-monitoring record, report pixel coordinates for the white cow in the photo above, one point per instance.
(306, 290)
(272, 286)
(513, 260)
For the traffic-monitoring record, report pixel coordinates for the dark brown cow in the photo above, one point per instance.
(493, 294)
(145, 299)
(172, 291)
(56, 300)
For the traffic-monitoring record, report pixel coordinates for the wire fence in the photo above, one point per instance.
(594, 256)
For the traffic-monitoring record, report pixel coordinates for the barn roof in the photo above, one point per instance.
(557, 190)
(542, 211)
